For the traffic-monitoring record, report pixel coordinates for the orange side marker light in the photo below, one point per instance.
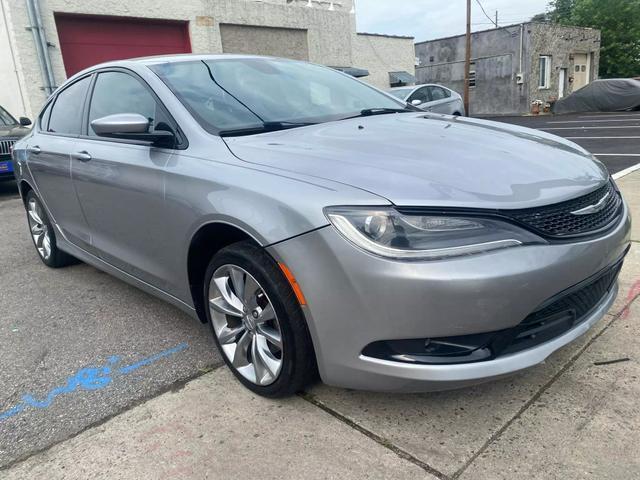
(294, 283)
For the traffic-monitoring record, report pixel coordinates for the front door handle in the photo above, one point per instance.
(83, 156)
(35, 150)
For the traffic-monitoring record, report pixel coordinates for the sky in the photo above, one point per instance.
(429, 19)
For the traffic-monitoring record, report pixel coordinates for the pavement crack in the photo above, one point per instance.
(536, 396)
(386, 443)
(172, 387)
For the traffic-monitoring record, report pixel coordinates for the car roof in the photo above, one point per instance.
(414, 87)
(179, 57)
(162, 59)
(185, 57)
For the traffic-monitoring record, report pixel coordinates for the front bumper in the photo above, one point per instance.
(354, 299)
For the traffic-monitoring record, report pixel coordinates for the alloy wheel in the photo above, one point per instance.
(246, 324)
(39, 229)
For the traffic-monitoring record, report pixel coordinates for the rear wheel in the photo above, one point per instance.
(43, 234)
(257, 322)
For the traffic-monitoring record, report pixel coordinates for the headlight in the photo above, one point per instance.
(388, 233)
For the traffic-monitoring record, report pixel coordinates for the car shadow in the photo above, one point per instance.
(8, 189)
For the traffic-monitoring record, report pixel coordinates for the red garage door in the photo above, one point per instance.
(86, 40)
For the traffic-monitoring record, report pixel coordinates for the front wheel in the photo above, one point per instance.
(257, 323)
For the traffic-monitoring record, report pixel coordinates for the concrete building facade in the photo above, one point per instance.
(320, 31)
(513, 66)
(383, 54)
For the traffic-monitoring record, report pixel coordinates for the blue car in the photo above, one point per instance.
(11, 130)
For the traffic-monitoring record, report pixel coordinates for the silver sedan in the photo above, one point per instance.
(431, 98)
(322, 227)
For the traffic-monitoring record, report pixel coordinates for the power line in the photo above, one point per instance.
(503, 22)
(485, 14)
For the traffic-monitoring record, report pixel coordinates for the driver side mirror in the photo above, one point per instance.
(416, 102)
(131, 126)
(24, 121)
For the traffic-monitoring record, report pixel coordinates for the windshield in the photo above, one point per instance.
(6, 119)
(245, 93)
(401, 93)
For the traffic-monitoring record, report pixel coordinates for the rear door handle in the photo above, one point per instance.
(35, 150)
(83, 156)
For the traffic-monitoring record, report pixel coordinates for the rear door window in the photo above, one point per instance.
(438, 93)
(66, 115)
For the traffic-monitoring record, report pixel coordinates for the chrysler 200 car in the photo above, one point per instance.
(320, 225)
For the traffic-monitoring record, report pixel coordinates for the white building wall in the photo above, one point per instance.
(11, 94)
(328, 31)
(331, 33)
(381, 54)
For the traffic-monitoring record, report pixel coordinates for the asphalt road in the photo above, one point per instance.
(613, 137)
(55, 323)
(78, 346)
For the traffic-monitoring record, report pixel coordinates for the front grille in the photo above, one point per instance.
(5, 147)
(558, 221)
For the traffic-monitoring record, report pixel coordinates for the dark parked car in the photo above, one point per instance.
(11, 130)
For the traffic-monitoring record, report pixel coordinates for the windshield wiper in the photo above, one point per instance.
(368, 112)
(282, 125)
(381, 111)
(265, 127)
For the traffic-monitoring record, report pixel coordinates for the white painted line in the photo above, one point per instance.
(596, 138)
(617, 154)
(626, 171)
(589, 128)
(598, 121)
(612, 115)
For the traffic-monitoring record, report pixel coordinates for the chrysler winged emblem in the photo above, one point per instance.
(596, 207)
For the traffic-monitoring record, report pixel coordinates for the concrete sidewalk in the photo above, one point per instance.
(569, 418)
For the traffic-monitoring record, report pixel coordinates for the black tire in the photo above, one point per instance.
(298, 358)
(57, 258)
(457, 114)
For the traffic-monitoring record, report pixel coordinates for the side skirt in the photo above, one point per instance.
(66, 246)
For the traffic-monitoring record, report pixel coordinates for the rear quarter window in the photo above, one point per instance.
(43, 120)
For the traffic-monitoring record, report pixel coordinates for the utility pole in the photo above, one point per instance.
(496, 18)
(467, 59)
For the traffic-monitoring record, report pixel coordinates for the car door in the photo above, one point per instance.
(49, 160)
(441, 100)
(120, 183)
(421, 94)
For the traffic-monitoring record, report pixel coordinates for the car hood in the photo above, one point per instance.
(13, 131)
(432, 160)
